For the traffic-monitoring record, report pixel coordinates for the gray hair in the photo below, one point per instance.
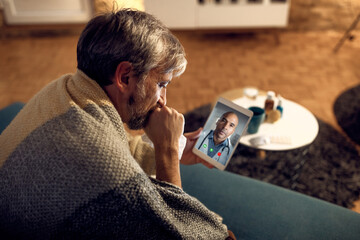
(128, 35)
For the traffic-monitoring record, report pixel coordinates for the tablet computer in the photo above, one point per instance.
(222, 131)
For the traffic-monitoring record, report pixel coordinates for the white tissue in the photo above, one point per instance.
(182, 143)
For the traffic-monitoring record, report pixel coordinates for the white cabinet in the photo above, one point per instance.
(182, 14)
(47, 11)
(174, 13)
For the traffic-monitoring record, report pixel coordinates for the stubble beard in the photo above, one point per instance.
(139, 117)
(218, 138)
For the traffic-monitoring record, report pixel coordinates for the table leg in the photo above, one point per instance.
(261, 154)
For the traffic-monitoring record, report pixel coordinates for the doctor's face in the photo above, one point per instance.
(149, 95)
(225, 126)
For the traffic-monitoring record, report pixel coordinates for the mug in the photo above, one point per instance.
(257, 119)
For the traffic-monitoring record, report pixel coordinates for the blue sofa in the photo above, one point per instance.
(8, 113)
(257, 210)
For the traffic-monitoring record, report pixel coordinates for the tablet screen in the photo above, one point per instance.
(222, 132)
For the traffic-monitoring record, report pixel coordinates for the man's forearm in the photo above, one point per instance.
(167, 165)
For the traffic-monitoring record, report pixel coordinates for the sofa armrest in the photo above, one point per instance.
(8, 113)
(254, 209)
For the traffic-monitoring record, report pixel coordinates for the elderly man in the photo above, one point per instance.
(68, 167)
(216, 143)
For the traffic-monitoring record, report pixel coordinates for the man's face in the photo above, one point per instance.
(225, 126)
(149, 94)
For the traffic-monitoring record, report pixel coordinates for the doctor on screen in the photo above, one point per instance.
(216, 143)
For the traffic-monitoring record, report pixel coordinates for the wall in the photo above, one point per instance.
(305, 15)
(62, 29)
(108, 5)
(323, 14)
(1, 14)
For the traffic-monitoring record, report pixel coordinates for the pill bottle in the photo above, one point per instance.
(269, 102)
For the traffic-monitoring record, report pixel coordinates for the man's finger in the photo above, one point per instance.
(206, 164)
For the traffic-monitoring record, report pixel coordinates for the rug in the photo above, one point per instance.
(328, 169)
(347, 112)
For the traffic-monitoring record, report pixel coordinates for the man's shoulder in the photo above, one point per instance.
(228, 142)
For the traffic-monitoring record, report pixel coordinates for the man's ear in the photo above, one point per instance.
(122, 75)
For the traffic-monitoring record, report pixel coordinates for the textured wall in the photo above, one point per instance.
(323, 14)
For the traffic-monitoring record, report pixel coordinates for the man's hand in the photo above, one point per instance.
(164, 129)
(231, 236)
(188, 157)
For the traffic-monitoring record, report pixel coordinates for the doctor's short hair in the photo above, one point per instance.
(128, 35)
(225, 114)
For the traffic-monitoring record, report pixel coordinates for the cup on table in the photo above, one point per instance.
(257, 119)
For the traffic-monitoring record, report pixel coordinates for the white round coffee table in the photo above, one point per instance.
(297, 124)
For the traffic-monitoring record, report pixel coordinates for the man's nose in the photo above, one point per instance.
(162, 99)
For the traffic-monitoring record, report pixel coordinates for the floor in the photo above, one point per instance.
(301, 67)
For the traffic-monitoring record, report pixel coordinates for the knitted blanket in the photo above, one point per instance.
(69, 170)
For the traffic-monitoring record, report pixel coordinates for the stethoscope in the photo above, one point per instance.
(222, 149)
